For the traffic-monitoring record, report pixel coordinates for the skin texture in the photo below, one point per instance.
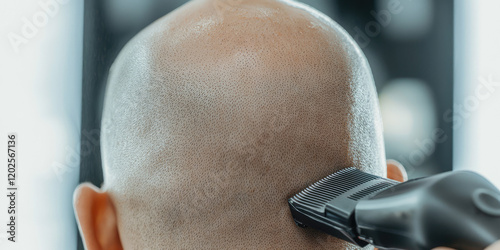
(219, 112)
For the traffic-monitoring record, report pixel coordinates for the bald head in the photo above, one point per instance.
(218, 112)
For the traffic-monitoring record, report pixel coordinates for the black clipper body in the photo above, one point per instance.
(455, 209)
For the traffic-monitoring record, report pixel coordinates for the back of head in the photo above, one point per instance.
(221, 110)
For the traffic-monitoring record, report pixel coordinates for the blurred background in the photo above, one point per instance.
(436, 66)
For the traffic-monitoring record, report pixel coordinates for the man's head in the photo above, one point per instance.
(215, 115)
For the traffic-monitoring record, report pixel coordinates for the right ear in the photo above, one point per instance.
(396, 171)
(96, 218)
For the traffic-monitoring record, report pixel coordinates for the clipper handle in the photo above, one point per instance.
(456, 209)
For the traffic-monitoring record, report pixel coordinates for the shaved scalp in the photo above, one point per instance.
(220, 111)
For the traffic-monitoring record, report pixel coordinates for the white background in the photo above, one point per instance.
(477, 57)
(40, 100)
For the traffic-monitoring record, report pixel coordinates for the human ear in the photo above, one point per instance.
(96, 218)
(396, 171)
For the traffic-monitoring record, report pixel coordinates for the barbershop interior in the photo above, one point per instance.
(435, 65)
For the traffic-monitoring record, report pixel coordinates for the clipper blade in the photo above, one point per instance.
(328, 205)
